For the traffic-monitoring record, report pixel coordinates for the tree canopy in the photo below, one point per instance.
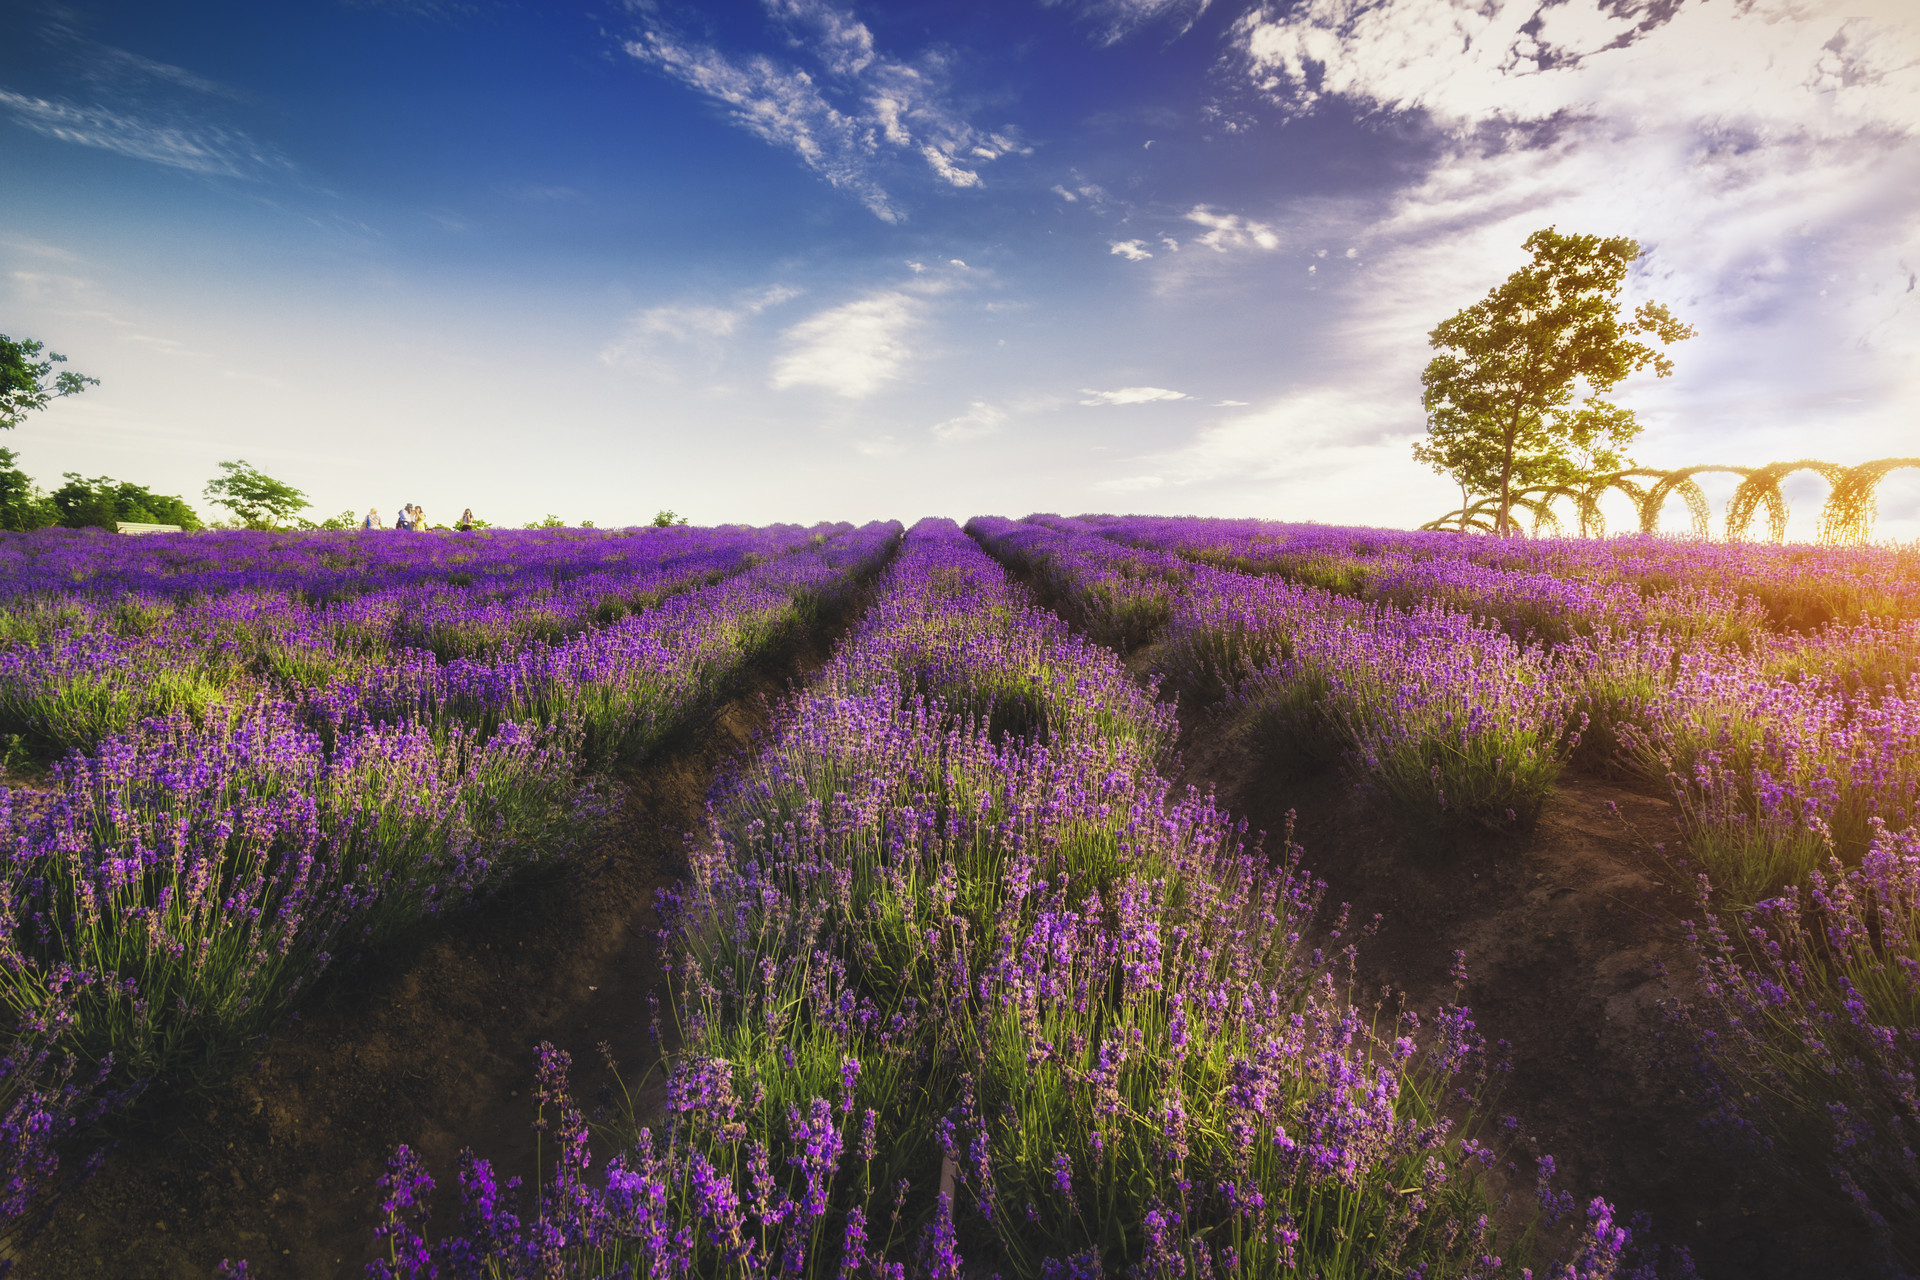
(1500, 395)
(24, 380)
(256, 498)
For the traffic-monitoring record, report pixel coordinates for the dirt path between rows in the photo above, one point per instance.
(1575, 949)
(434, 1048)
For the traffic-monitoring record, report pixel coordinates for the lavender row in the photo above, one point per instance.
(1796, 586)
(174, 892)
(964, 989)
(1445, 715)
(321, 567)
(1574, 591)
(74, 669)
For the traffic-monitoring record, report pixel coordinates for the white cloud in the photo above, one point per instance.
(657, 339)
(849, 123)
(980, 419)
(1231, 231)
(1131, 395)
(1131, 250)
(1846, 61)
(1229, 404)
(193, 146)
(947, 171)
(853, 349)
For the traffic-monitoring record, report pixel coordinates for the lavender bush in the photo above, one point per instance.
(1811, 1023)
(1446, 716)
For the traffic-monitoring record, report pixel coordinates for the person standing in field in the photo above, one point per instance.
(405, 519)
(373, 519)
(466, 521)
(419, 518)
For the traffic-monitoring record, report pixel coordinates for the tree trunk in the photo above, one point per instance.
(1504, 526)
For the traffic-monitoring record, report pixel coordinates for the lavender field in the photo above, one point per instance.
(1012, 900)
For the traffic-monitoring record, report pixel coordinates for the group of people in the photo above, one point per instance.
(414, 518)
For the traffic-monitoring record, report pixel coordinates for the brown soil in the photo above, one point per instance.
(1575, 951)
(433, 1047)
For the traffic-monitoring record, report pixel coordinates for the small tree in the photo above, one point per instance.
(257, 499)
(1499, 397)
(23, 380)
(667, 518)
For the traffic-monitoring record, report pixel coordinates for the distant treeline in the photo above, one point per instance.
(82, 503)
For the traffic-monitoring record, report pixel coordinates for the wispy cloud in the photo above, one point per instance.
(980, 419)
(658, 340)
(196, 147)
(144, 109)
(1231, 231)
(1131, 250)
(1130, 395)
(1115, 20)
(881, 446)
(853, 349)
(1323, 451)
(850, 123)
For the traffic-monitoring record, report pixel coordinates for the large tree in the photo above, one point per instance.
(24, 379)
(1500, 395)
(257, 498)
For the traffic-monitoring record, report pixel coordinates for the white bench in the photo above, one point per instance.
(129, 526)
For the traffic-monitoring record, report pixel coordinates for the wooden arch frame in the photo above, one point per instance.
(1848, 515)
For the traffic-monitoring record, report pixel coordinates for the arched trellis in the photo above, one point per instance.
(1847, 517)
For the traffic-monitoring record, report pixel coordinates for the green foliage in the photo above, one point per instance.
(101, 502)
(345, 520)
(551, 522)
(1500, 395)
(23, 505)
(255, 498)
(23, 380)
(666, 517)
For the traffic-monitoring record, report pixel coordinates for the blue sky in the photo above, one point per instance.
(782, 259)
